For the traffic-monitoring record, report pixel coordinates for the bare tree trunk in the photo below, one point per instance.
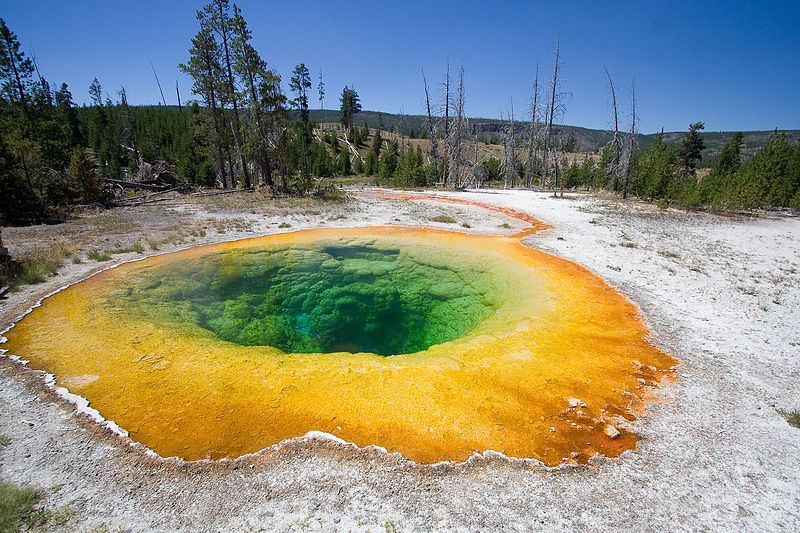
(509, 152)
(631, 140)
(159, 85)
(513, 161)
(218, 140)
(457, 134)
(615, 143)
(431, 126)
(446, 123)
(553, 95)
(505, 157)
(531, 159)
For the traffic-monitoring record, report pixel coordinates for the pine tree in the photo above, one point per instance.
(217, 20)
(16, 70)
(300, 84)
(350, 106)
(388, 163)
(689, 152)
(767, 179)
(204, 67)
(655, 170)
(263, 95)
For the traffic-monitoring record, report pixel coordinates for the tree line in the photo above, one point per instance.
(245, 132)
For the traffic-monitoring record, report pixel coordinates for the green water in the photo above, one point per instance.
(329, 296)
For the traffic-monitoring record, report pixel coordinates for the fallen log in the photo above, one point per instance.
(139, 184)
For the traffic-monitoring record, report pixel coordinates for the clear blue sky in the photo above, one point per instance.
(734, 65)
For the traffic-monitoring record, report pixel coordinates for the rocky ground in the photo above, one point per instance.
(721, 294)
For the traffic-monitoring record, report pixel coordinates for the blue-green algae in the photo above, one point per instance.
(372, 296)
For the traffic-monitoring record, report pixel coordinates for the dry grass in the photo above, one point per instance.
(38, 264)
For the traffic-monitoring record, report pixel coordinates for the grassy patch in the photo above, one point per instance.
(98, 255)
(793, 417)
(669, 255)
(5, 440)
(628, 245)
(136, 246)
(38, 264)
(105, 528)
(446, 219)
(17, 506)
(465, 225)
(505, 225)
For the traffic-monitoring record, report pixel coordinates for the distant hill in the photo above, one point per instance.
(589, 140)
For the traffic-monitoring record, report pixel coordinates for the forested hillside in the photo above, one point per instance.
(243, 131)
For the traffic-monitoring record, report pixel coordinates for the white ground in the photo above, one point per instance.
(721, 294)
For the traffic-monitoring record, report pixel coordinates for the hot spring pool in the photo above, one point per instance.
(428, 343)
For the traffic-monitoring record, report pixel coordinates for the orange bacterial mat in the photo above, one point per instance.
(499, 347)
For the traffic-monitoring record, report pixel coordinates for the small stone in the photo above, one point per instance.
(574, 402)
(612, 432)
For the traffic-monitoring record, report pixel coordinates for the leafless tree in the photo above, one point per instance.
(631, 141)
(510, 151)
(616, 142)
(555, 107)
(446, 122)
(458, 131)
(431, 123)
(530, 160)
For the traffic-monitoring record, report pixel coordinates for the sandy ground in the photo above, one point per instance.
(720, 294)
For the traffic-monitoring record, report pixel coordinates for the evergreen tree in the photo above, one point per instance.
(217, 20)
(343, 166)
(263, 97)
(350, 106)
(571, 144)
(373, 156)
(716, 187)
(655, 170)
(690, 150)
(388, 163)
(83, 183)
(300, 84)
(730, 158)
(16, 70)
(205, 69)
(770, 178)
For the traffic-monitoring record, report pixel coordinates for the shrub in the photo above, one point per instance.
(16, 504)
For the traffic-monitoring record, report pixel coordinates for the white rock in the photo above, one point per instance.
(574, 402)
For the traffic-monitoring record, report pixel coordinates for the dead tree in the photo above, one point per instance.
(457, 131)
(510, 152)
(554, 108)
(446, 122)
(616, 143)
(631, 141)
(530, 161)
(431, 124)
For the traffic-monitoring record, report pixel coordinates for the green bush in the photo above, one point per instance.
(16, 504)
